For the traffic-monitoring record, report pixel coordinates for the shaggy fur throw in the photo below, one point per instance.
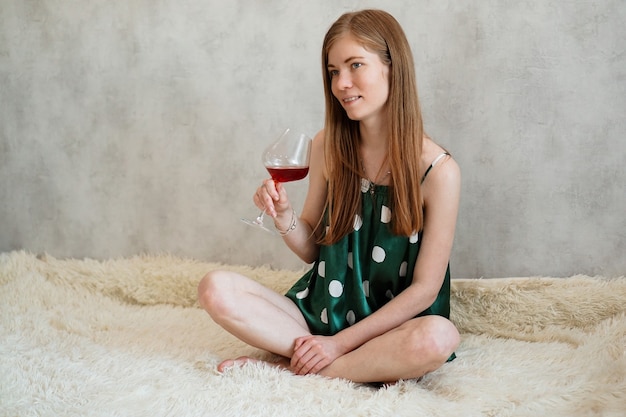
(125, 337)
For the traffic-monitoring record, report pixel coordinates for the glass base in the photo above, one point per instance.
(258, 223)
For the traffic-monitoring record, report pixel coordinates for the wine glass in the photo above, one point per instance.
(286, 159)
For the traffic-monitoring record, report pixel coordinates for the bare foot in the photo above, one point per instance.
(242, 360)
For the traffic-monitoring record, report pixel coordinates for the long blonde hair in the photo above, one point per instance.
(380, 33)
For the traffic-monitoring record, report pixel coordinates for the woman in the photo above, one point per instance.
(378, 222)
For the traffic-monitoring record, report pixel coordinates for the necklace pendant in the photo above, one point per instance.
(372, 186)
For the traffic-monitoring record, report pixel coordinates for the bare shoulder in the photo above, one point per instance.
(444, 178)
(446, 169)
(318, 142)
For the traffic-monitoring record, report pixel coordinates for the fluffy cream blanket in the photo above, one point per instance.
(126, 338)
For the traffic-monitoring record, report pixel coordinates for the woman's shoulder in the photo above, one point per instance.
(319, 137)
(438, 164)
(430, 150)
(317, 147)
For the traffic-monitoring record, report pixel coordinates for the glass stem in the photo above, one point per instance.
(259, 219)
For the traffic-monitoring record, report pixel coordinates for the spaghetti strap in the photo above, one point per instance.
(437, 159)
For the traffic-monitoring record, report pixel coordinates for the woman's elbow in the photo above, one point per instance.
(309, 257)
(428, 294)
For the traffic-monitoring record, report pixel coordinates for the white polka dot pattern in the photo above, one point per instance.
(350, 317)
(302, 294)
(335, 288)
(324, 316)
(385, 214)
(366, 288)
(378, 254)
(358, 222)
(321, 269)
(403, 267)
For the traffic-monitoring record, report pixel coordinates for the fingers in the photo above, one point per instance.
(266, 196)
(309, 356)
(313, 366)
(300, 358)
(323, 363)
(272, 197)
(309, 363)
(301, 341)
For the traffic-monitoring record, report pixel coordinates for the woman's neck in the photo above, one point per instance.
(373, 148)
(373, 136)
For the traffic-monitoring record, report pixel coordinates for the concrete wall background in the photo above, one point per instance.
(136, 126)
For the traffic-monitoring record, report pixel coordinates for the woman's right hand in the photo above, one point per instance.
(272, 197)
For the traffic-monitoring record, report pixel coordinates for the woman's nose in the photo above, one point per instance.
(343, 80)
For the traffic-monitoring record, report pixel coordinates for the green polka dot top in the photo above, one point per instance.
(364, 270)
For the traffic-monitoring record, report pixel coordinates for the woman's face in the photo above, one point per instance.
(359, 79)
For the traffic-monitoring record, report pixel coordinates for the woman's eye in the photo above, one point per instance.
(356, 65)
(332, 73)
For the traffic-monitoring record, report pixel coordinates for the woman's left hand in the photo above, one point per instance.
(313, 353)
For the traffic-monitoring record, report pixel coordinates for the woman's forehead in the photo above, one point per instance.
(346, 47)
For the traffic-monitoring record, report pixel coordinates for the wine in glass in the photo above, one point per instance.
(286, 159)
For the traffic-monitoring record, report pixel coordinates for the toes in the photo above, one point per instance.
(229, 363)
(225, 365)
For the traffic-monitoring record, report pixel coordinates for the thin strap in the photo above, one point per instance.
(437, 159)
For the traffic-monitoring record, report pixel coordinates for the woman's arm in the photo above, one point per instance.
(302, 239)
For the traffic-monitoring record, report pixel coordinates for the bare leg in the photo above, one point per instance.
(415, 348)
(251, 312)
(272, 322)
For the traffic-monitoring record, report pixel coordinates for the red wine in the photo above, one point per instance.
(286, 174)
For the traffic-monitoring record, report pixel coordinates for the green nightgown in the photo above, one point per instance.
(364, 270)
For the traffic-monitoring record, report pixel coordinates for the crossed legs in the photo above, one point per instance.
(251, 312)
(270, 321)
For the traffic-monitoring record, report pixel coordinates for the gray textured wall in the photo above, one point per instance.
(134, 126)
